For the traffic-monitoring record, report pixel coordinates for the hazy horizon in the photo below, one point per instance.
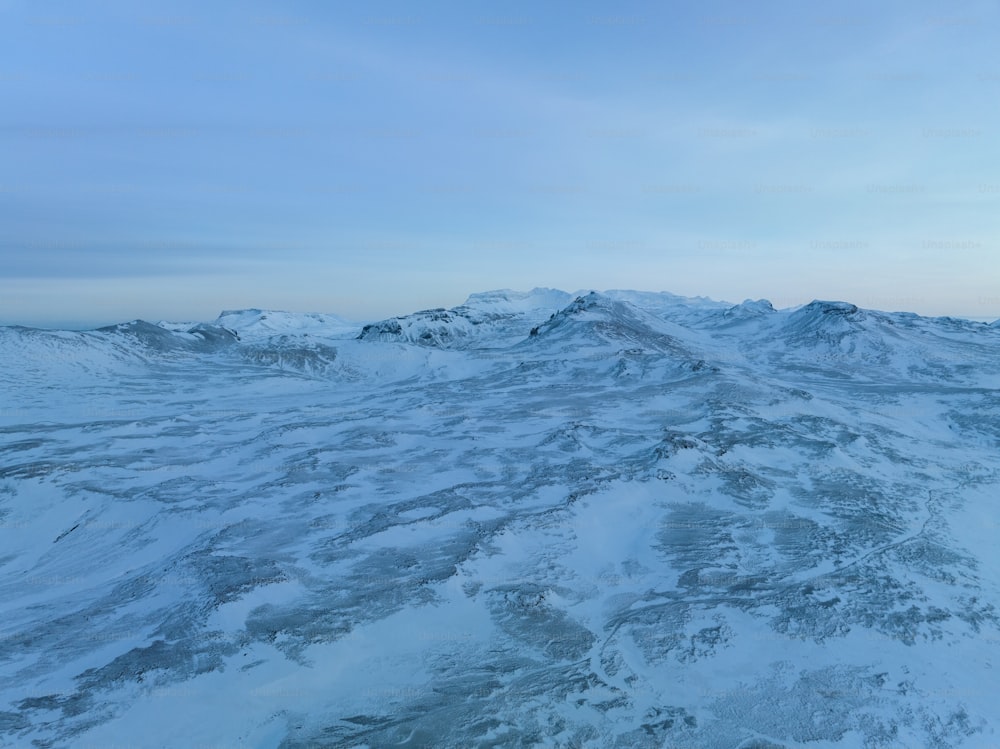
(81, 325)
(172, 161)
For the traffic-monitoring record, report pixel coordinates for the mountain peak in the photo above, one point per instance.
(750, 308)
(832, 308)
(507, 300)
(262, 323)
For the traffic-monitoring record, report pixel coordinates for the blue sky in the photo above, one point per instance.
(168, 160)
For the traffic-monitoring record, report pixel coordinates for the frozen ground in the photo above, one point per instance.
(538, 519)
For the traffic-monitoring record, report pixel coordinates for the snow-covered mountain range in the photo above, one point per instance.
(536, 519)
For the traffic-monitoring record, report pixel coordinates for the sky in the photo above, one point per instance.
(171, 160)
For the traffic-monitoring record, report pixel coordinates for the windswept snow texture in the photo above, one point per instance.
(536, 519)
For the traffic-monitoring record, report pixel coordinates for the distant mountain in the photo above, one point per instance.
(142, 335)
(255, 324)
(490, 318)
(840, 336)
(602, 321)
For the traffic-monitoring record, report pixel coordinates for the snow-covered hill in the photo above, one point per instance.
(536, 519)
(491, 318)
(253, 324)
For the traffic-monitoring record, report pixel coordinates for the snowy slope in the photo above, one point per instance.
(253, 324)
(596, 520)
(490, 318)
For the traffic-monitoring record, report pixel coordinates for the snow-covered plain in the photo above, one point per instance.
(537, 519)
